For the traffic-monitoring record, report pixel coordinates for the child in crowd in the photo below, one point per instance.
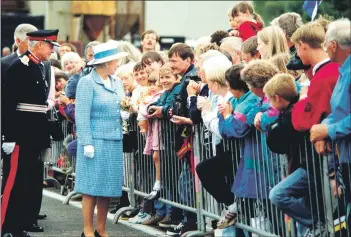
(282, 93)
(140, 75)
(248, 22)
(249, 50)
(280, 61)
(153, 137)
(232, 23)
(60, 84)
(270, 41)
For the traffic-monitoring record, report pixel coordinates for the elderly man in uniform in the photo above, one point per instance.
(26, 133)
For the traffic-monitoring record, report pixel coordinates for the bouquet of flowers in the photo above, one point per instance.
(126, 109)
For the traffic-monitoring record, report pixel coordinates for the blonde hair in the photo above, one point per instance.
(166, 69)
(205, 48)
(258, 72)
(215, 68)
(312, 33)
(280, 61)
(125, 70)
(282, 85)
(274, 37)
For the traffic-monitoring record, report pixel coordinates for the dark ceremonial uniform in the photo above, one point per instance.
(25, 123)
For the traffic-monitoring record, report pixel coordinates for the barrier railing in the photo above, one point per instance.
(258, 215)
(57, 161)
(327, 182)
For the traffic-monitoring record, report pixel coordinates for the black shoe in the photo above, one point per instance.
(154, 195)
(26, 234)
(119, 206)
(35, 228)
(41, 217)
(96, 234)
(82, 235)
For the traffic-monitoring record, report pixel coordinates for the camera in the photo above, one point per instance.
(191, 78)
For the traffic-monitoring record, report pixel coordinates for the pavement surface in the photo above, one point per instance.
(66, 220)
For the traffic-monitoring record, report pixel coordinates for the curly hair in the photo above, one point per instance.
(217, 37)
(258, 72)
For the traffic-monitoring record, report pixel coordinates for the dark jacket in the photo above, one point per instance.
(26, 84)
(166, 100)
(5, 63)
(194, 112)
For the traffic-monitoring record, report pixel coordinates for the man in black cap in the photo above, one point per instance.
(26, 131)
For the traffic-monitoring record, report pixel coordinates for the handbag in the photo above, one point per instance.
(55, 126)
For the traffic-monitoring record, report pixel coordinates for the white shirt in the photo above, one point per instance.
(107, 83)
(211, 120)
(315, 68)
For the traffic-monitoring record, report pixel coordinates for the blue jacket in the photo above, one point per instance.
(271, 160)
(339, 120)
(249, 179)
(98, 109)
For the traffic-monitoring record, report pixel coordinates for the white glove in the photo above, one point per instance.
(125, 115)
(89, 151)
(8, 147)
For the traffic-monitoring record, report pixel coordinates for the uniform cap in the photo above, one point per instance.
(49, 36)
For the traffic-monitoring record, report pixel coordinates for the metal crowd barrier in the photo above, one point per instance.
(57, 161)
(258, 216)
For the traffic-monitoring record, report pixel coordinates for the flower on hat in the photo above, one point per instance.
(25, 60)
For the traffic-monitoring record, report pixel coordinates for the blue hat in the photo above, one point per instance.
(106, 52)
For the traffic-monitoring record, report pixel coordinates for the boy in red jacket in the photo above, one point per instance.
(314, 105)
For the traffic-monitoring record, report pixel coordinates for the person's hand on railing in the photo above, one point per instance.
(225, 109)
(318, 132)
(322, 147)
(156, 112)
(257, 121)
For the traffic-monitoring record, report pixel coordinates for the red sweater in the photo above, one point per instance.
(316, 106)
(249, 29)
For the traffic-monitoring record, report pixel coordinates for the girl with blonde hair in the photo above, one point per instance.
(271, 41)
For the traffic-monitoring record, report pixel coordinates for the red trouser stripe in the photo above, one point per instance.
(9, 183)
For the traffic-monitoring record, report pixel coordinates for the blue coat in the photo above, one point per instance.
(98, 123)
(248, 181)
(339, 120)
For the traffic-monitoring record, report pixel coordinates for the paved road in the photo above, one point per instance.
(66, 221)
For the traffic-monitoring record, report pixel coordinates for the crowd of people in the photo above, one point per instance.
(281, 88)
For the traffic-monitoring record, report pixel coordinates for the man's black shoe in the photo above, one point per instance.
(35, 228)
(26, 234)
(41, 217)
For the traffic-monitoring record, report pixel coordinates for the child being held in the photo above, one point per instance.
(248, 22)
(150, 96)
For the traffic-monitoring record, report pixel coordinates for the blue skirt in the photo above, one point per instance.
(102, 175)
